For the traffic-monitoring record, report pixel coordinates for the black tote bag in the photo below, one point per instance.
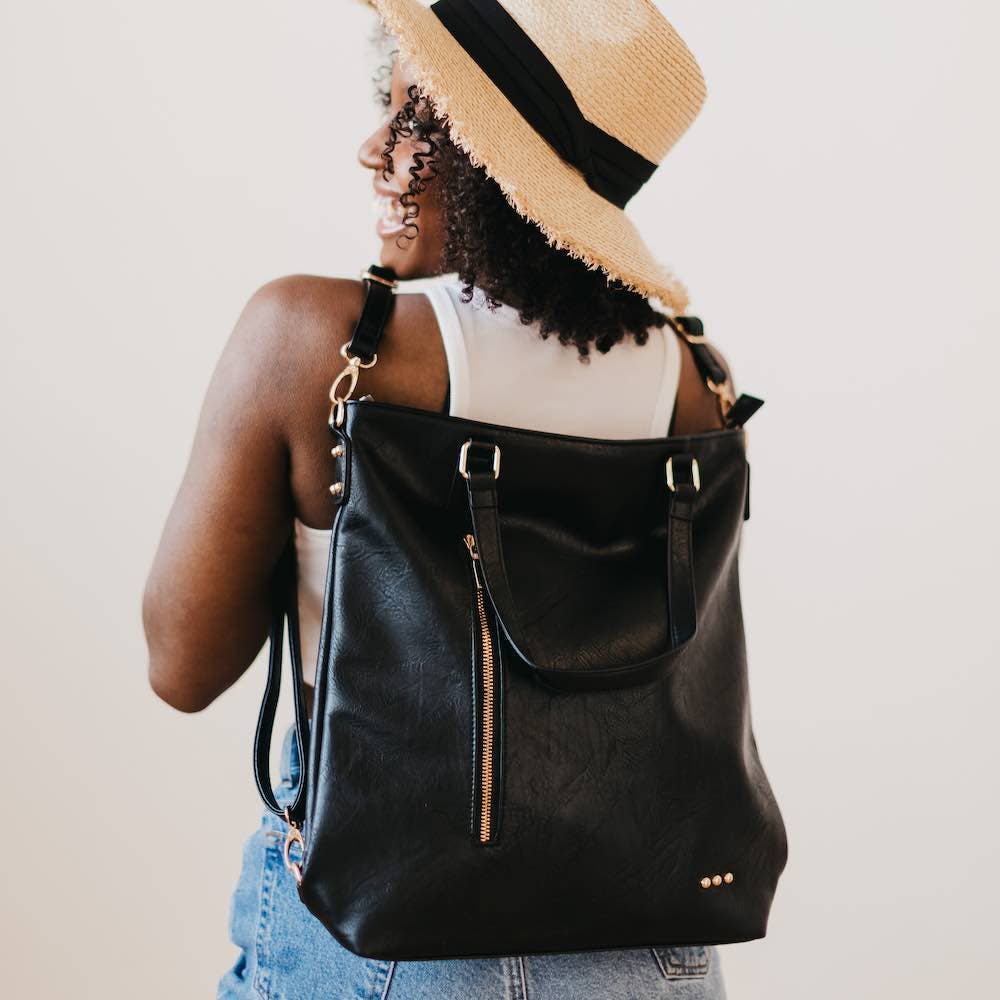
(531, 728)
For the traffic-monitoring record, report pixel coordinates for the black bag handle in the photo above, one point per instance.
(285, 603)
(479, 464)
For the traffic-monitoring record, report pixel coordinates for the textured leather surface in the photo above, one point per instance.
(614, 802)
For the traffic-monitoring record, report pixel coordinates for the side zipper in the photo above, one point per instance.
(487, 662)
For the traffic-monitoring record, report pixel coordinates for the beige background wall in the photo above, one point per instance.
(835, 213)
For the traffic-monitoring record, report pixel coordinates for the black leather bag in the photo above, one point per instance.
(531, 729)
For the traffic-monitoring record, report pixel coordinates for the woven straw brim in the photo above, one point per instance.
(536, 181)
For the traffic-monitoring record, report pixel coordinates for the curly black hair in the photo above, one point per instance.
(493, 248)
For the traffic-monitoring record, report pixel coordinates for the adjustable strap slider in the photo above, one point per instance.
(382, 275)
(485, 457)
(683, 471)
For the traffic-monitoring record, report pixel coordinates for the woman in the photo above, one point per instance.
(511, 309)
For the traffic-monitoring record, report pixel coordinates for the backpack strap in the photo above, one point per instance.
(380, 283)
(735, 411)
(361, 351)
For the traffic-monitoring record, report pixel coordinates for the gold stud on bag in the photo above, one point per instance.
(714, 881)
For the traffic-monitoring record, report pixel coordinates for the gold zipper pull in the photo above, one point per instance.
(470, 544)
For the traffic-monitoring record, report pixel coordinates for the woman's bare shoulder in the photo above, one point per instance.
(311, 317)
(299, 322)
(299, 305)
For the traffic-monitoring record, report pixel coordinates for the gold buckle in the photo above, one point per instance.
(367, 275)
(695, 475)
(463, 458)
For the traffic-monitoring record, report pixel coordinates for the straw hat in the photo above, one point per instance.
(569, 105)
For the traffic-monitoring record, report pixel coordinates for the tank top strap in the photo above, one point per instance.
(669, 384)
(449, 323)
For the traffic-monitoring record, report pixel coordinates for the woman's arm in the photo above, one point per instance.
(205, 607)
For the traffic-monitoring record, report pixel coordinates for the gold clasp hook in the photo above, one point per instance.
(350, 372)
(294, 836)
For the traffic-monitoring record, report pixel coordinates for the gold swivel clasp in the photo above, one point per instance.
(294, 836)
(349, 374)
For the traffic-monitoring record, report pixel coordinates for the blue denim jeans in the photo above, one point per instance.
(285, 952)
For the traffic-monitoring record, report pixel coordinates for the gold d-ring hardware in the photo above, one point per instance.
(294, 836)
(463, 458)
(350, 372)
(695, 475)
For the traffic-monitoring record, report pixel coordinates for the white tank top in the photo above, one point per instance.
(503, 372)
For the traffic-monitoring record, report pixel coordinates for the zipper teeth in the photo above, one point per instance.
(486, 746)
